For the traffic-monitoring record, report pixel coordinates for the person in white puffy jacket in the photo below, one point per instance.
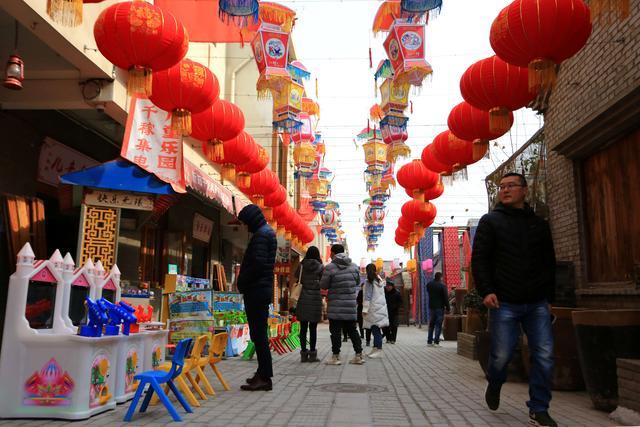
(374, 309)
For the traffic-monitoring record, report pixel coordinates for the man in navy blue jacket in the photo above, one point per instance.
(255, 282)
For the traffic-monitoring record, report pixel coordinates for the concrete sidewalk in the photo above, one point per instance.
(411, 385)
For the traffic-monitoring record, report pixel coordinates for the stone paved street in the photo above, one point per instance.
(411, 385)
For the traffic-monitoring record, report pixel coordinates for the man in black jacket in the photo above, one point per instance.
(513, 265)
(394, 302)
(255, 282)
(438, 302)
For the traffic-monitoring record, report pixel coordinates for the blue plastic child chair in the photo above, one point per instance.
(155, 378)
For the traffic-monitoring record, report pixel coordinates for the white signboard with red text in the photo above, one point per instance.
(57, 159)
(150, 143)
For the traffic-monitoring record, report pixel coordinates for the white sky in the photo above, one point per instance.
(332, 39)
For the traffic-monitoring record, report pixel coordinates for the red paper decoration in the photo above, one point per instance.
(431, 161)
(254, 165)
(262, 183)
(141, 38)
(237, 151)
(416, 177)
(497, 87)
(220, 122)
(420, 213)
(450, 149)
(185, 88)
(540, 35)
(272, 200)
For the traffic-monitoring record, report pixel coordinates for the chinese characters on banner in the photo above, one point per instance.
(116, 199)
(57, 159)
(150, 143)
(206, 186)
(202, 228)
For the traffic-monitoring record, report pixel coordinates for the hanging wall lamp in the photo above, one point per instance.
(14, 70)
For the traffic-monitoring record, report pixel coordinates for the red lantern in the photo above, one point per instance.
(540, 35)
(254, 165)
(430, 193)
(414, 176)
(237, 151)
(282, 214)
(431, 161)
(262, 183)
(405, 48)
(220, 122)
(272, 200)
(140, 38)
(185, 88)
(450, 149)
(420, 213)
(497, 87)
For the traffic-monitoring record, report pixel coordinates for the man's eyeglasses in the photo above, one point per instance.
(509, 186)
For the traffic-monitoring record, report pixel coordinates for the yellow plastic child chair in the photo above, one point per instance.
(216, 351)
(192, 365)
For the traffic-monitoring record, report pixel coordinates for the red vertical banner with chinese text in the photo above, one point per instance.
(150, 143)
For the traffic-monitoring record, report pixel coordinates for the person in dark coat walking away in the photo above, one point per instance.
(342, 279)
(394, 302)
(309, 307)
(513, 265)
(255, 282)
(438, 302)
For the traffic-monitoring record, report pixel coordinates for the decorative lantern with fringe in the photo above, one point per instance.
(311, 107)
(304, 152)
(388, 180)
(414, 176)
(140, 38)
(375, 155)
(237, 151)
(184, 89)
(421, 6)
(277, 14)
(540, 35)
(497, 87)
(411, 265)
(395, 97)
(389, 12)
(470, 123)
(238, 12)
(394, 137)
(287, 105)
(254, 165)
(405, 48)
(298, 71)
(220, 122)
(270, 51)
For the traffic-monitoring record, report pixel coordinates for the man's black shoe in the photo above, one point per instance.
(252, 379)
(258, 384)
(492, 397)
(541, 419)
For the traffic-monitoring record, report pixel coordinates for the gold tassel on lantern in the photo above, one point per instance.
(281, 231)
(397, 149)
(542, 75)
(216, 150)
(181, 122)
(287, 235)
(65, 12)
(418, 194)
(268, 213)
(499, 121)
(243, 180)
(139, 81)
(480, 148)
(229, 172)
(599, 8)
(258, 200)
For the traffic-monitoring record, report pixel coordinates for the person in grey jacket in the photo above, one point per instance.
(342, 279)
(309, 307)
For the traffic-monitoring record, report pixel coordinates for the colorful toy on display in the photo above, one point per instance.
(60, 373)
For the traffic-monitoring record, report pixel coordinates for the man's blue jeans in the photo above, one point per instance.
(436, 316)
(504, 323)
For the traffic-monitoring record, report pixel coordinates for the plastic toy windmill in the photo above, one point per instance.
(405, 48)
(271, 52)
(298, 71)
(287, 105)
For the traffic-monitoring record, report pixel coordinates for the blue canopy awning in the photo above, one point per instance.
(119, 174)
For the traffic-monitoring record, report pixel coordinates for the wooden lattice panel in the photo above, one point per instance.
(99, 235)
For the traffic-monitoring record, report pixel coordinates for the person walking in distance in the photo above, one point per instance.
(513, 265)
(438, 302)
(394, 302)
(374, 308)
(309, 307)
(255, 282)
(341, 278)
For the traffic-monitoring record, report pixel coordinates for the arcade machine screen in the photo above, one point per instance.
(77, 309)
(41, 299)
(109, 294)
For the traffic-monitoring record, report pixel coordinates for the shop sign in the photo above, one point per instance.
(117, 199)
(150, 143)
(57, 159)
(202, 228)
(203, 184)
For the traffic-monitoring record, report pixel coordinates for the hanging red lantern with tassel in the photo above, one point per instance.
(540, 35)
(140, 38)
(184, 89)
(497, 87)
(237, 151)
(468, 122)
(262, 183)
(430, 193)
(272, 200)
(254, 165)
(220, 122)
(414, 176)
(450, 149)
(431, 161)
(422, 214)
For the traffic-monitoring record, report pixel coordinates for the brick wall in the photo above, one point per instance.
(605, 70)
